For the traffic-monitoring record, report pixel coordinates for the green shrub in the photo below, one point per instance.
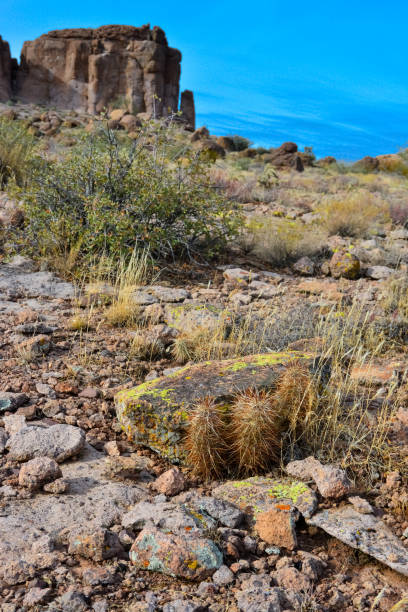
(240, 143)
(113, 195)
(16, 150)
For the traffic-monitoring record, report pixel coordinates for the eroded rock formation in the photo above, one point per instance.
(90, 70)
(5, 71)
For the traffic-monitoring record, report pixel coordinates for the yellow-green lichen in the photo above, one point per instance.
(290, 491)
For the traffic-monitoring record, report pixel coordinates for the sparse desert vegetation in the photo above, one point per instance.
(170, 276)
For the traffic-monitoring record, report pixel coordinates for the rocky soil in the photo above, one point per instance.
(88, 521)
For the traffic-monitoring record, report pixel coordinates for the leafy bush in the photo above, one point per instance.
(280, 241)
(116, 196)
(354, 215)
(16, 149)
(240, 143)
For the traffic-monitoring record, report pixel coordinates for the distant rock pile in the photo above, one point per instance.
(89, 70)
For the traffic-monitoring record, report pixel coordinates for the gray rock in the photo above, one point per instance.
(58, 442)
(73, 601)
(11, 401)
(331, 481)
(239, 275)
(93, 501)
(32, 329)
(304, 266)
(257, 595)
(36, 596)
(16, 281)
(143, 298)
(223, 576)
(3, 440)
(169, 294)
(379, 272)
(44, 389)
(224, 512)
(165, 515)
(182, 605)
(364, 532)
(100, 606)
(14, 423)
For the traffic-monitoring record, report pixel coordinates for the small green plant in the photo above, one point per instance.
(111, 195)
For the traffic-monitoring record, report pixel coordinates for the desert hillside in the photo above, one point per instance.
(203, 356)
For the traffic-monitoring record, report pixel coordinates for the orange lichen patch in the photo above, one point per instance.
(282, 506)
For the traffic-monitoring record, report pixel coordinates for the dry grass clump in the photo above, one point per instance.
(130, 275)
(123, 312)
(354, 215)
(235, 189)
(206, 439)
(193, 346)
(16, 151)
(145, 347)
(255, 431)
(78, 322)
(280, 241)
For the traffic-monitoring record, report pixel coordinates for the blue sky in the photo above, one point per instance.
(331, 75)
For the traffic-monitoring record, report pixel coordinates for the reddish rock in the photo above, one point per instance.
(5, 71)
(285, 156)
(290, 578)
(187, 109)
(89, 393)
(38, 472)
(331, 481)
(277, 526)
(170, 483)
(38, 345)
(187, 556)
(87, 69)
(98, 545)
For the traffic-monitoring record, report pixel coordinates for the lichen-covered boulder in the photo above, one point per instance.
(187, 556)
(260, 494)
(344, 264)
(190, 317)
(156, 413)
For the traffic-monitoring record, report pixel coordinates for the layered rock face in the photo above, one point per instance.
(89, 69)
(5, 71)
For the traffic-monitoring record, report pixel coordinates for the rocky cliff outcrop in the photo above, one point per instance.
(89, 69)
(5, 71)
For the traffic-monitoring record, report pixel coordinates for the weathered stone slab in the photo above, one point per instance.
(190, 317)
(260, 494)
(155, 414)
(364, 532)
(92, 500)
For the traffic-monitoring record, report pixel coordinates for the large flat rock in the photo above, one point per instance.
(91, 500)
(17, 281)
(364, 532)
(155, 414)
